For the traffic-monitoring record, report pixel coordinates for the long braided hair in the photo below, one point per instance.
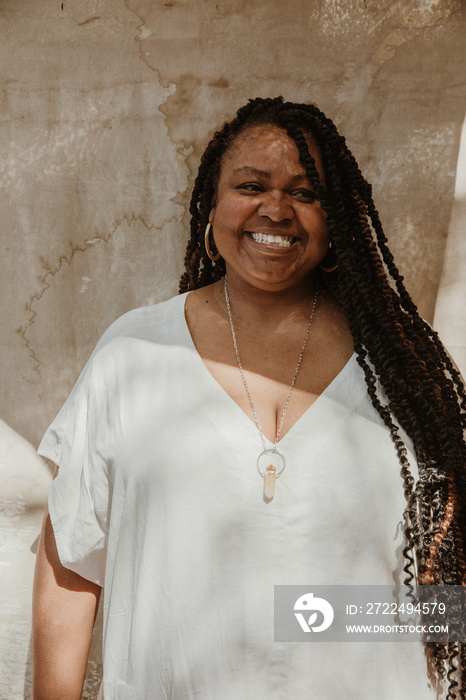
(410, 378)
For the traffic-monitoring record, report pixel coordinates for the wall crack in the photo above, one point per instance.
(50, 271)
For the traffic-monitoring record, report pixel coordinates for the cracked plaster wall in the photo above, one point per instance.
(105, 108)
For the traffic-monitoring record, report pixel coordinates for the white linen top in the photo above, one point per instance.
(158, 499)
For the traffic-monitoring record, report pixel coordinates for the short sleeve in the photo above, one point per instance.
(78, 442)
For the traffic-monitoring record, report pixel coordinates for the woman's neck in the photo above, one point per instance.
(263, 310)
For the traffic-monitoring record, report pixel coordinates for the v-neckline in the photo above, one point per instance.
(245, 417)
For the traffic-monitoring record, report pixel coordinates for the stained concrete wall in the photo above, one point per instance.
(105, 108)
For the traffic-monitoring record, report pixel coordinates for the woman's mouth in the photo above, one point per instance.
(281, 240)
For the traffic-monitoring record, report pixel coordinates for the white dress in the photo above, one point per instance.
(158, 499)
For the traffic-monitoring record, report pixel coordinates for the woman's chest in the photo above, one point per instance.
(276, 378)
(276, 374)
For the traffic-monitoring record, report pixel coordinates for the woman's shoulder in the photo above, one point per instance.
(162, 322)
(125, 341)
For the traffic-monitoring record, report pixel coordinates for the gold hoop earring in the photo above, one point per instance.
(331, 267)
(206, 243)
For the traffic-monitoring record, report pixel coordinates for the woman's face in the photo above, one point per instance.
(268, 224)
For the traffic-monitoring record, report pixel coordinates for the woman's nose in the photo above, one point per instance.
(276, 206)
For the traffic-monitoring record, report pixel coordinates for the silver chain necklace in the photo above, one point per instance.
(271, 472)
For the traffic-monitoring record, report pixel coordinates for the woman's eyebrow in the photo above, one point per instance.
(248, 169)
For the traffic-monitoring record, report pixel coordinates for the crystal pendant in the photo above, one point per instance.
(269, 483)
(270, 472)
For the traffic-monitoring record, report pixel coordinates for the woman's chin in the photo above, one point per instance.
(270, 278)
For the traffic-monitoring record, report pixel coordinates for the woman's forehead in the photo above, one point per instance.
(265, 143)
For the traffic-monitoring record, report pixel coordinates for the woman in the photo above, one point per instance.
(294, 343)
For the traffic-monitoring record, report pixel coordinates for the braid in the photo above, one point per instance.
(411, 380)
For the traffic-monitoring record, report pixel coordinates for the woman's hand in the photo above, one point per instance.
(64, 610)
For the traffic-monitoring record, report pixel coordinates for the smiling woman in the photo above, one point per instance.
(268, 223)
(288, 419)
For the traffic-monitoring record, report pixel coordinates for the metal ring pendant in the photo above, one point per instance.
(271, 451)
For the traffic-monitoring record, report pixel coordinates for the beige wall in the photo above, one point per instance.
(106, 106)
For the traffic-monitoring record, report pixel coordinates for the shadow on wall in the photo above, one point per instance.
(24, 479)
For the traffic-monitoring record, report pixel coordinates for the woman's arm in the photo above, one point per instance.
(64, 610)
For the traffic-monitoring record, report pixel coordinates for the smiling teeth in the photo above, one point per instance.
(283, 241)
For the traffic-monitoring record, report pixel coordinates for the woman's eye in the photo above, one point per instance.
(305, 195)
(250, 187)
